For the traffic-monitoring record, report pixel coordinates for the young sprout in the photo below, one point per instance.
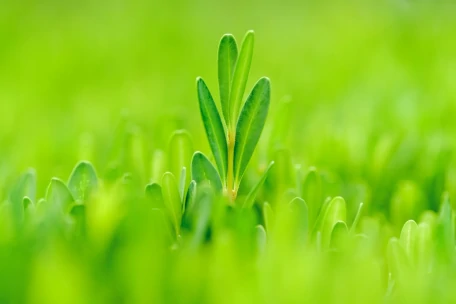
(234, 135)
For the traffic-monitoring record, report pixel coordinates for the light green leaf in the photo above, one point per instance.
(398, 263)
(180, 151)
(357, 218)
(227, 56)
(336, 211)
(250, 126)
(154, 195)
(408, 238)
(214, 128)
(83, 181)
(268, 216)
(182, 183)
(172, 200)
(58, 195)
(424, 246)
(203, 170)
(261, 238)
(312, 194)
(200, 214)
(339, 236)
(250, 199)
(299, 220)
(241, 74)
(24, 187)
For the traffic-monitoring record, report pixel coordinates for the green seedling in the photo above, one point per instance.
(234, 135)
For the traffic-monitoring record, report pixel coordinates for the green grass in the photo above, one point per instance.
(347, 197)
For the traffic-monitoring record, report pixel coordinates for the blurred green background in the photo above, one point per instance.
(368, 88)
(369, 82)
(366, 79)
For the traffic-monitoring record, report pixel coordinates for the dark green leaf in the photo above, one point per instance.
(227, 56)
(241, 74)
(250, 125)
(203, 170)
(214, 128)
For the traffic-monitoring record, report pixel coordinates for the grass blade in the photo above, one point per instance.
(250, 126)
(214, 128)
(203, 170)
(227, 56)
(241, 74)
(250, 199)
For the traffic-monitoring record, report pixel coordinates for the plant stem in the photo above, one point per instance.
(230, 178)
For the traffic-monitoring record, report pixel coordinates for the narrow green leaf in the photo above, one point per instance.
(214, 128)
(182, 183)
(200, 214)
(357, 217)
(172, 200)
(336, 211)
(154, 196)
(241, 74)
(424, 246)
(261, 238)
(27, 203)
(203, 170)
(227, 56)
(268, 216)
(339, 236)
(190, 199)
(250, 199)
(408, 238)
(158, 166)
(312, 194)
(58, 195)
(321, 215)
(398, 263)
(180, 151)
(250, 125)
(24, 187)
(83, 181)
(444, 231)
(299, 220)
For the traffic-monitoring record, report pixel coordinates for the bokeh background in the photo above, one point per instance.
(370, 86)
(365, 91)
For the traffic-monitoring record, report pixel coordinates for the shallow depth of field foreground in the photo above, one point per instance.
(204, 152)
